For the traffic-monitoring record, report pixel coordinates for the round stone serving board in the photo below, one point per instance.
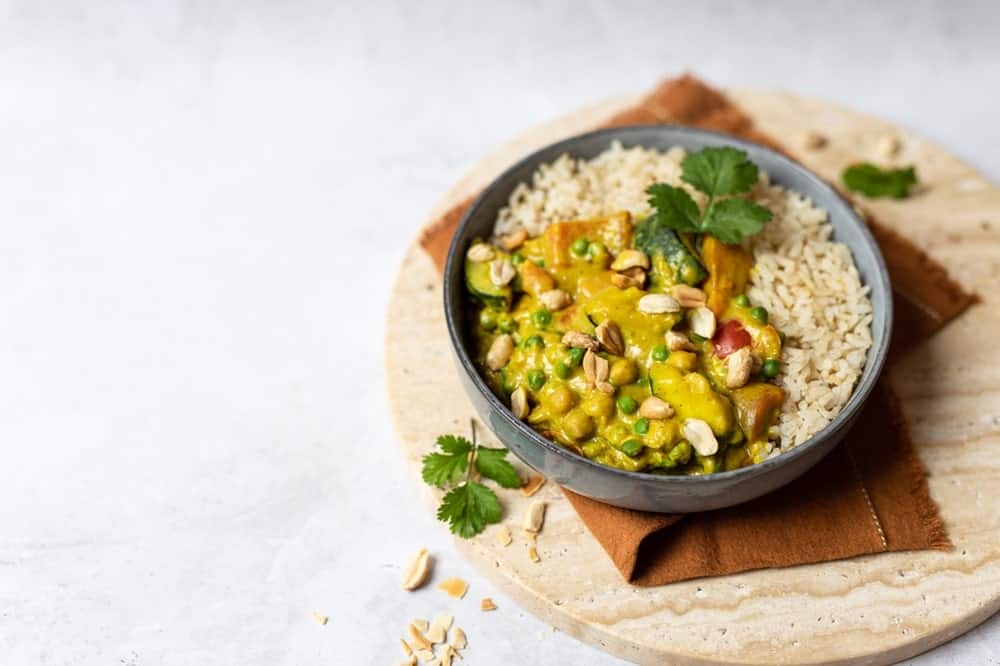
(873, 609)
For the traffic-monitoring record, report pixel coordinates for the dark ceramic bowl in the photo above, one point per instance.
(651, 492)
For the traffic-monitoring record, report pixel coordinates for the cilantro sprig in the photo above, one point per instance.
(874, 182)
(469, 506)
(720, 173)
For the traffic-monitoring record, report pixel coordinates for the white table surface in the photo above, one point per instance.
(197, 446)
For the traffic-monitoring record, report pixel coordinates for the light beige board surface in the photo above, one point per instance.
(874, 609)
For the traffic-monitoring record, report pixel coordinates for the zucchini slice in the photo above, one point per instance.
(677, 264)
(477, 281)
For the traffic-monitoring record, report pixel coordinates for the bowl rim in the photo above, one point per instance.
(866, 382)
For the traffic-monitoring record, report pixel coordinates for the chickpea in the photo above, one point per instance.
(622, 372)
(661, 434)
(617, 433)
(598, 404)
(578, 425)
(561, 400)
(683, 360)
(698, 383)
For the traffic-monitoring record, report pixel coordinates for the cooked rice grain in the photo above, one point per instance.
(808, 282)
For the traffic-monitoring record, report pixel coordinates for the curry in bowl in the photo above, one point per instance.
(666, 312)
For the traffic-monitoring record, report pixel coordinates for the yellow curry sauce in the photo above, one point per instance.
(559, 331)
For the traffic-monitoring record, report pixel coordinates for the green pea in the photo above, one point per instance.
(534, 341)
(681, 453)
(563, 371)
(661, 353)
(506, 325)
(632, 447)
(487, 320)
(517, 259)
(542, 318)
(575, 357)
(505, 383)
(536, 379)
(759, 313)
(742, 300)
(598, 254)
(709, 464)
(579, 247)
(641, 426)
(770, 368)
(627, 405)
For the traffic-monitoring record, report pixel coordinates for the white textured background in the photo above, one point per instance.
(202, 208)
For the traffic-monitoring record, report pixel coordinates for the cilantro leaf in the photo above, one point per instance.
(441, 469)
(870, 180)
(674, 207)
(491, 464)
(454, 444)
(468, 508)
(719, 171)
(731, 220)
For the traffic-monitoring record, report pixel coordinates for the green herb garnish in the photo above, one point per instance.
(718, 172)
(872, 181)
(469, 506)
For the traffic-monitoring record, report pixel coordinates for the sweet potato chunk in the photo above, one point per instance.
(535, 279)
(728, 271)
(614, 231)
(757, 408)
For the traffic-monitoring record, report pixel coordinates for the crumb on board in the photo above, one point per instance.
(813, 140)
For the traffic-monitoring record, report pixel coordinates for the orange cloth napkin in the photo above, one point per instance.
(868, 496)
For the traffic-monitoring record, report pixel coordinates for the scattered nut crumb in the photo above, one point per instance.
(458, 639)
(503, 536)
(436, 634)
(813, 140)
(409, 661)
(415, 573)
(319, 617)
(422, 625)
(455, 587)
(533, 554)
(407, 650)
(514, 240)
(444, 621)
(531, 486)
(888, 146)
(480, 252)
(534, 516)
(417, 638)
(425, 655)
(487, 604)
(446, 656)
(519, 403)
